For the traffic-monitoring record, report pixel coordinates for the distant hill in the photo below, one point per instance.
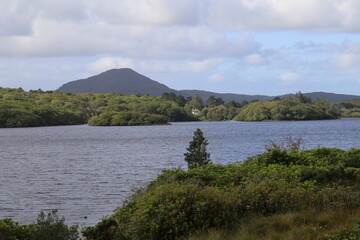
(331, 97)
(121, 81)
(126, 81)
(226, 96)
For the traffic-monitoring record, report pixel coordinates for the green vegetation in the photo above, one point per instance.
(126, 119)
(47, 226)
(349, 109)
(299, 108)
(302, 225)
(37, 108)
(285, 191)
(197, 155)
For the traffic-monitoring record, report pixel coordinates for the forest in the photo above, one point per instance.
(19, 108)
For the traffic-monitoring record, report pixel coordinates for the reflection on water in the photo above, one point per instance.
(88, 171)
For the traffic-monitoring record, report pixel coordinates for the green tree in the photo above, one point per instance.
(50, 226)
(211, 101)
(196, 102)
(197, 155)
(300, 98)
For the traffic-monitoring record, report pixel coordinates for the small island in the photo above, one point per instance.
(288, 109)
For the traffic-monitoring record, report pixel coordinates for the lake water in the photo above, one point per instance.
(86, 172)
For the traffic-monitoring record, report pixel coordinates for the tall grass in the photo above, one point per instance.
(304, 225)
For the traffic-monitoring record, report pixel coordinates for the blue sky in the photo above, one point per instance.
(267, 47)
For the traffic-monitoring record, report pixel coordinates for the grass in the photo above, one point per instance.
(303, 225)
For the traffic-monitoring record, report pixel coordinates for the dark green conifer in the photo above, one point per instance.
(197, 155)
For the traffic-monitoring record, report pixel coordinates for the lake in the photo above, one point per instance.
(86, 172)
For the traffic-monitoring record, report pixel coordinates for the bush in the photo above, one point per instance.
(10, 230)
(173, 210)
(269, 196)
(48, 226)
(104, 230)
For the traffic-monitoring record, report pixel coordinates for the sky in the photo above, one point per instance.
(269, 47)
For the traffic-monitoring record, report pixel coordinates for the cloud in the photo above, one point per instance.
(216, 78)
(106, 63)
(308, 15)
(288, 77)
(63, 10)
(254, 59)
(66, 38)
(16, 18)
(161, 29)
(155, 12)
(347, 62)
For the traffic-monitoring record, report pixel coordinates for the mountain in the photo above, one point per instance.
(331, 97)
(226, 96)
(126, 81)
(121, 81)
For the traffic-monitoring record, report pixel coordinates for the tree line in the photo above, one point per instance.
(19, 108)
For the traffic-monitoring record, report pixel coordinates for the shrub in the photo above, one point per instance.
(50, 226)
(10, 230)
(104, 230)
(174, 210)
(269, 196)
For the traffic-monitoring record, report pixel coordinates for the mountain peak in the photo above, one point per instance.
(121, 81)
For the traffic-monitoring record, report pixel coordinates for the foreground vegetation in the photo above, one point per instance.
(47, 226)
(282, 192)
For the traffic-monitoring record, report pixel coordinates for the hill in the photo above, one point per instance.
(227, 97)
(331, 97)
(121, 81)
(126, 81)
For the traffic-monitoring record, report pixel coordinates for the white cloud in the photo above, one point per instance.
(155, 12)
(54, 38)
(16, 18)
(217, 78)
(160, 29)
(254, 59)
(347, 62)
(62, 10)
(288, 77)
(106, 63)
(320, 15)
